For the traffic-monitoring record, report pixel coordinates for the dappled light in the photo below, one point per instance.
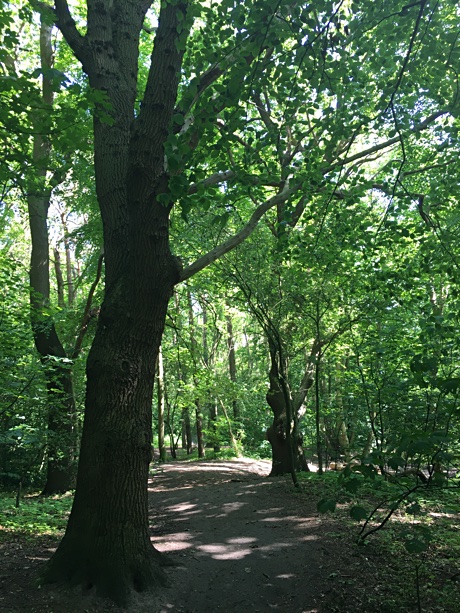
(227, 527)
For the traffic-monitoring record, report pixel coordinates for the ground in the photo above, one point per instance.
(241, 542)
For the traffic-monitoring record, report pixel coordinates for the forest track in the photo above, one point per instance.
(241, 540)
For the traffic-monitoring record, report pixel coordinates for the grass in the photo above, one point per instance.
(36, 515)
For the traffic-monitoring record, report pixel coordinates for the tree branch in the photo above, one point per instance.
(308, 377)
(215, 179)
(388, 143)
(240, 236)
(66, 24)
(87, 312)
(286, 193)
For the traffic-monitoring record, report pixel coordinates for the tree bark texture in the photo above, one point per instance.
(107, 544)
(277, 432)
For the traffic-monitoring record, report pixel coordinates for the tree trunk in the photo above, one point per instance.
(232, 363)
(116, 440)
(186, 431)
(61, 443)
(161, 407)
(277, 433)
(319, 436)
(194, 355)
(107, 542)
(199, 429)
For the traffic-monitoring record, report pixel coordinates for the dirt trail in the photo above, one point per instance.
(243, 542)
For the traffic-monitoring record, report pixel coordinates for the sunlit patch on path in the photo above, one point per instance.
(240, 541)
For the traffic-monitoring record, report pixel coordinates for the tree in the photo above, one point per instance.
(223, 103)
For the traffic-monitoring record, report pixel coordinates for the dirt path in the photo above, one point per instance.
(243, 542)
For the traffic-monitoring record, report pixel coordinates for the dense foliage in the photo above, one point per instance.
(312, 158)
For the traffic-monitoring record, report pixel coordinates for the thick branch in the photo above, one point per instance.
(67, 26)
(239, 237)
(215, 179)
(308, 377)
(243, 234)
(226, 175)
(152, 124)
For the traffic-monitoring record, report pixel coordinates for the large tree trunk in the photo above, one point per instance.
(283, 456)
(107, 542)
(109, 518)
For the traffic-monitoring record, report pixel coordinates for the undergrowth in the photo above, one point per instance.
(410, 551)
(36, 515)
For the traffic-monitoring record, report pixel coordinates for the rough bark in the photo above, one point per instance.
(107, 544)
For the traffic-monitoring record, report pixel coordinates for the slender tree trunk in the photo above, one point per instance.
(161, 407)
(186, 431)
(208, 360)
(319, 436)
(59, 278)
(199, 429)
(68, 261)
(61, 404)
(232, 363)
(194, 352)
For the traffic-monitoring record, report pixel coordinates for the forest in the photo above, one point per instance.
(230, 230)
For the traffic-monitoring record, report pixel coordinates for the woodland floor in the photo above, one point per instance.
(242, 542)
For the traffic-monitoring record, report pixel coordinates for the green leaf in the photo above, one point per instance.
(416, 546)
(358, 513)
(396, 461)
(352, 485)
(178, 119)
(325, 505)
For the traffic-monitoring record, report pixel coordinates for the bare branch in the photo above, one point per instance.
(240, 236)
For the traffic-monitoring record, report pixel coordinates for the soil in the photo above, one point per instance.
(241, 541)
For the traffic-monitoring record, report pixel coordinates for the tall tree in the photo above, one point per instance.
(270, 149)
(62, 440)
